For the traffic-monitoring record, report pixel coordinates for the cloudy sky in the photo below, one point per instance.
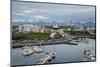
(34, 12)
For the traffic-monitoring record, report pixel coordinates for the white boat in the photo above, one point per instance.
(88, 56)
(54, 55)
(27, 51)
(37, 49)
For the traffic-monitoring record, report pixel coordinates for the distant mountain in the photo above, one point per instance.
(83, 24)
(16, 23)
(90, 24)
(50, 23)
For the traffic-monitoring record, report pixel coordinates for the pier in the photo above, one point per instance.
(47, 57)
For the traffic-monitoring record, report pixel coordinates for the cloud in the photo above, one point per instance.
(18, 20)
(27, 11)
(43, 11)
(39, 17)
(24, 11)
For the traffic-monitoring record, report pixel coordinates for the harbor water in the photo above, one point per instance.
(64, 53)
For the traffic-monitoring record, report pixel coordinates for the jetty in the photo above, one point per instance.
(47, 57)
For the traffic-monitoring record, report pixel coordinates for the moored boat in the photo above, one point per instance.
(88, 56)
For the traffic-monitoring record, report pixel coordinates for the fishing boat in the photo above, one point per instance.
(37, 49)
(28, 50)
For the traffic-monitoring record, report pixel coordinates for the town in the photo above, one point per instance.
(29, 32)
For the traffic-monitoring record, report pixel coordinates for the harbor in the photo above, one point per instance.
(64, 53)
(52, 33)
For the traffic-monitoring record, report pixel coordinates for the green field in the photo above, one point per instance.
(30, 35)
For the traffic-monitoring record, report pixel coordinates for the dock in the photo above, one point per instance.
(47, 57)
